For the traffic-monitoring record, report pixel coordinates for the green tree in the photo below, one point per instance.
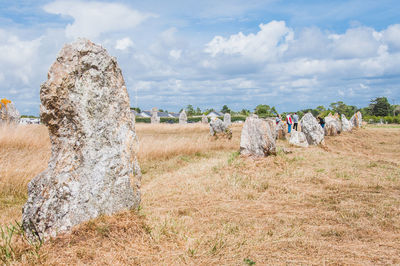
(198, 111)
(207, 111)
(380, 106)
(225, 109)
(189, 110)
(264, 110)
(245, 112)
(137, 109)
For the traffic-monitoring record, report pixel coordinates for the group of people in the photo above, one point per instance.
(294, 120)
(290, 120)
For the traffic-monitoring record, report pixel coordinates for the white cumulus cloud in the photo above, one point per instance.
(123, 44)
(271, 41)
(94, 18)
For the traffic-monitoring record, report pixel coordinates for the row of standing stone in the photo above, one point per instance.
(259, 136)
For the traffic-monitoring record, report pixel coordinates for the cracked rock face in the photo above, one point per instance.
(258, 138)
(183, 117)
(312, 129)
(8, 113)
(280, 130)
(93, 168)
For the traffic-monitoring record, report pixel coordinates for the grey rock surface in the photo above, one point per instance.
(183, 117)
(346, 125)
(298, 138)
(312, 129)
(85, 105)
(258, 138)
(9, 114)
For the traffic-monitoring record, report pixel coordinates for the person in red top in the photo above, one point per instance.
(289, 122)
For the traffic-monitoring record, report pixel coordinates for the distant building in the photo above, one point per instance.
(215, 114)
(159, 114)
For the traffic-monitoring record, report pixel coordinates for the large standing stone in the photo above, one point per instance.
(155, 119)
(219, 127)
(8, 112)
(258, 138)
(183, 117)
(298, 138)
(227, 119)
(204, 119)
(356, 120)
(85, 106)
(333, 126)
(346, 125)
(312, 129)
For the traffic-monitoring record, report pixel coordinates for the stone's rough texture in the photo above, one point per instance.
(333, 126)
(280, 130)
(356, 120)
(272, 125)
(312, 129)
(219, 127)
(258, 138)
(227, 119)
(85, 106)
(8, 113)
(346, 125)
(298, 138)
(155, 119)
(183, 117)
(204, 119)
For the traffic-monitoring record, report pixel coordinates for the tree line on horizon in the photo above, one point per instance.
(378, 107)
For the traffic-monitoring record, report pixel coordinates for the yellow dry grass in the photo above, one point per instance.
(203, 204)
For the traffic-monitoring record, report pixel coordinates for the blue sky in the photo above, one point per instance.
(288, 54)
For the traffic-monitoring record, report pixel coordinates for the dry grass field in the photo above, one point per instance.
(203, 204)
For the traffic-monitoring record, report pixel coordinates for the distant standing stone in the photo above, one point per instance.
(257, 138)
(227, 119)
(333, 126)
(85, 106)
(155, 119)
(356, 120)
(204, 119)
(218, 127)
(8, 113)
(280, 130)
(312, 129)
(183, 117)
(346, 125)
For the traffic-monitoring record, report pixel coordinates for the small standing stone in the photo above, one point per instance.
(258, 138)
(219, 127)
(8, 112)
(333, 126)
(346, 125)
(280, 130)
(155, 119)
(227, 119)
(204, 119)
(298, 138)
(356, 120)
(312, 129)
(183, 117)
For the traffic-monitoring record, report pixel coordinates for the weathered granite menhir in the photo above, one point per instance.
(183, 118)
(85, 105)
